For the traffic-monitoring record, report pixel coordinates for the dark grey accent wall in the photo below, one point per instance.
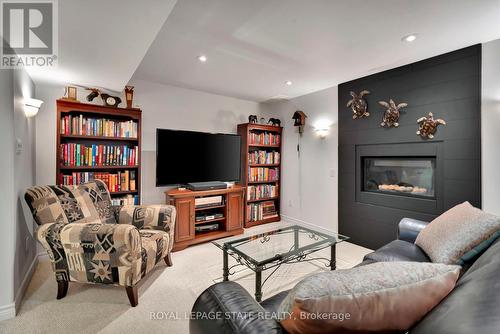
(449, 86)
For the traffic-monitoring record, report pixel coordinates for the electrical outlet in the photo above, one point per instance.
(332, 172)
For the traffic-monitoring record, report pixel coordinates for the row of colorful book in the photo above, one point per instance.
(119, 181)
(263, 157)
(126, 200)
(84, 126)
(263, 174)
(75, 155)
(261, 191)
(260, 211)
(263, 138)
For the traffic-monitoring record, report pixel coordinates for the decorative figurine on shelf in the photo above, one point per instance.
(129, 95)
(358, 105)
(94, 92)
(252, 119)
(110, 101)
(262, 121)
(274, 122)
(299, 118)
(428, 126)
(391, 114)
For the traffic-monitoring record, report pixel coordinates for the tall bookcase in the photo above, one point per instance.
(101, 142)
(261, 172)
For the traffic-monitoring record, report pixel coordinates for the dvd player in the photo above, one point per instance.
(206, 228)
(201, 202)
(208, 217)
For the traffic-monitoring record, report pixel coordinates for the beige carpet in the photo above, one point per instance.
(173, 290)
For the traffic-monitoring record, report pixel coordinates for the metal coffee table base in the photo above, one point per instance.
(259, 269)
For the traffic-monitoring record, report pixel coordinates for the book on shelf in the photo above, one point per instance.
(263, 174)
(116, 182)
(125, 200)
(261, 211)
(265, 138)
(263, 157)
(261, 191)
(132, 181)
(93, 155)
(99, 127)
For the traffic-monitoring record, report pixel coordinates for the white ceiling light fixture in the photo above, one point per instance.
(202, 58)
(288, 83)
(31, 107)
(409, 38)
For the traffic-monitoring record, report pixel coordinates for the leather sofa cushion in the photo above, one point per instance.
(273, 303)
(227, 307)
(474, 305)
(398, 250)
(377, 297)
(409, 228)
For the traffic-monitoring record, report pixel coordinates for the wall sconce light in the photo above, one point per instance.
(31, 107)
(322, 132)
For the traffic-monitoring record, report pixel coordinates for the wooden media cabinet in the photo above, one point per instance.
(231, 222)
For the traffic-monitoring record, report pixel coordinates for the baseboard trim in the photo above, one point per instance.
(25, 282)
(297, 221)
(7, 312)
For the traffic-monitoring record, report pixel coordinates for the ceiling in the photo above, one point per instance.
(253, 47)
(101, 43)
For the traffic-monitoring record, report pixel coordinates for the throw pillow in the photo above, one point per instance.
(383, 296)
(452, 236)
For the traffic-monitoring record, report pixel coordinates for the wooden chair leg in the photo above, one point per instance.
(168, 260)
(133, 297)
(62, 289)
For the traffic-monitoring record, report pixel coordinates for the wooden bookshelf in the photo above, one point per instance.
(75, 109)
(245, 130)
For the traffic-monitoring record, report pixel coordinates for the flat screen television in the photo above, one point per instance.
(188, 156)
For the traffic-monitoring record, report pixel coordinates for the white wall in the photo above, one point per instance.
(162, 106)
(490, 126)
(309, 180)
(24, 177)
(46, 134)
(7, 198)
(18, 173)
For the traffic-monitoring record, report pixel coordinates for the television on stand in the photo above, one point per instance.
(197, 160)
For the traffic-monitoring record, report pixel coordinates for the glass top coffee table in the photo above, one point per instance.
(271, 249)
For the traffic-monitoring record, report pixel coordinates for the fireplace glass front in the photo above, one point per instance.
(400, 176)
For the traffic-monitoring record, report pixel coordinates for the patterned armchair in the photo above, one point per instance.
(90, 241)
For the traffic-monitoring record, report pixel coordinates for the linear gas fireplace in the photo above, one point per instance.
(402, 176)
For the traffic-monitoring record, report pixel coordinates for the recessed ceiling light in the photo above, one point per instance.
(409, 38)
(288, 83)
(202, 58)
